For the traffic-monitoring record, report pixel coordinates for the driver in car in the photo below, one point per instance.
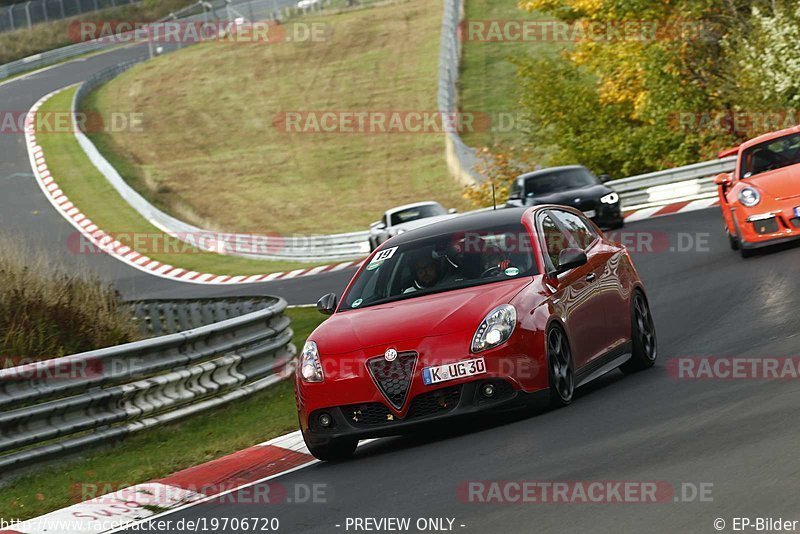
(426, 274)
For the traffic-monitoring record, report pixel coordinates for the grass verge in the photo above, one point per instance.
(88, 189)
(488, 79)
(158, 452)
(46, 36)
(214, 147)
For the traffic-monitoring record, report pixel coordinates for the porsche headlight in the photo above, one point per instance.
(749, 197)
(611, 198)
(310, 365)
(495, 329)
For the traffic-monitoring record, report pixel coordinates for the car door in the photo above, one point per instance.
(607, 298)
(574, 297)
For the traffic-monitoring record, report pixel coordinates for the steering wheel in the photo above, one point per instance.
(491, 271)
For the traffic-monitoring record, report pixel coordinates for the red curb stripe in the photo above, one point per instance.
(237, 469)
(672, 208)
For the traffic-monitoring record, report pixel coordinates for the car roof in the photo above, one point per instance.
(476, 220)
(768, 137)
(549, 170)
(410, 206)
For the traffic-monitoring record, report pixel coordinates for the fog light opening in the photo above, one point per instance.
(325, 420)
(488, 390)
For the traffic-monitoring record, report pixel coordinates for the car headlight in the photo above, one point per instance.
(611, 198)
(749, 197)
(310, 365)
(495, 329)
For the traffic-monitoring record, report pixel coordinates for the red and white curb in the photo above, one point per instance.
(207, 482)
(670, 209)
(123, 253)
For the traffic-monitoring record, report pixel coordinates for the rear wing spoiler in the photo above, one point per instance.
(729, 152)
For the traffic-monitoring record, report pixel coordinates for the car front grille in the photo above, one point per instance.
(394, 378)
(766, 226)
(796, 222)
(433, 402)
(424, 405)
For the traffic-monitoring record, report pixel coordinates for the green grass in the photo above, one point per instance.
(488, 82)
(160, 451)
(88, 189)
(211, 153)
(51, 35)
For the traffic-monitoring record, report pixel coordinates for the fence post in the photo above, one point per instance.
(28, 13)
(63, 14)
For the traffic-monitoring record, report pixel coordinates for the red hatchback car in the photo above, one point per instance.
(487, 311)
(760, 200)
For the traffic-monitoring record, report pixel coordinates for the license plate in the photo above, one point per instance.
(590, 214)
(452, 371)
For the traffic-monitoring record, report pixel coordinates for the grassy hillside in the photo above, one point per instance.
(213, 152)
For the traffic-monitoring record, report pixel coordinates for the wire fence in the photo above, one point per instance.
(27, 14)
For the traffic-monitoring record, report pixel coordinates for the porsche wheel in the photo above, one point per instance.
(334, 450)
(734, 242)
(562, 376)
(643, 334)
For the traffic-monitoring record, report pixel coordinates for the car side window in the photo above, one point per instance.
(554, 240)
(581, 230)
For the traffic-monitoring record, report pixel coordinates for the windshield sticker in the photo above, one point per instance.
(374, 265)
(511, 271)
(357, 303)
(383, 255)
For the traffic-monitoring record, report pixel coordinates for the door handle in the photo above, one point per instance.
(591, 277)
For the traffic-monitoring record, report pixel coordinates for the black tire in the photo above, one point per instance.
(334, 450)
(734, 241)
(643, 336)
(560, 368)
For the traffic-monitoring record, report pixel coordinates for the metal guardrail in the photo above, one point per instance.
(461, 159)
(57, 407)
(691, 182)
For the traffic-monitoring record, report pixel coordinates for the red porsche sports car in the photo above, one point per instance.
(488, 311)
(761, 199)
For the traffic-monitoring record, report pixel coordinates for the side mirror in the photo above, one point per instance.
(605, 178)
(327, 304)
(724, 179)
(570, 258)
(451, 211)
(378, 225)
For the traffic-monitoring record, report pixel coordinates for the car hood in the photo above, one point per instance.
(419, 223)
(570, 198)
(780, 184)
(414, 318)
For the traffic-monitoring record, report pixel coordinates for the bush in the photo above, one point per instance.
(46, 312)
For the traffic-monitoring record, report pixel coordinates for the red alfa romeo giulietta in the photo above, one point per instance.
(488, 311)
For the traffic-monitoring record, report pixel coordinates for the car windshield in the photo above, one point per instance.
(559, 181)
(417, 212)
(771, 155)
(443, 263)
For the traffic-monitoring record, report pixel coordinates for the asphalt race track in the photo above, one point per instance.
(24, 211)
(739, 435)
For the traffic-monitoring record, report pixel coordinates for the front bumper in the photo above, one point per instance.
(761, 228)
(375, 419)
